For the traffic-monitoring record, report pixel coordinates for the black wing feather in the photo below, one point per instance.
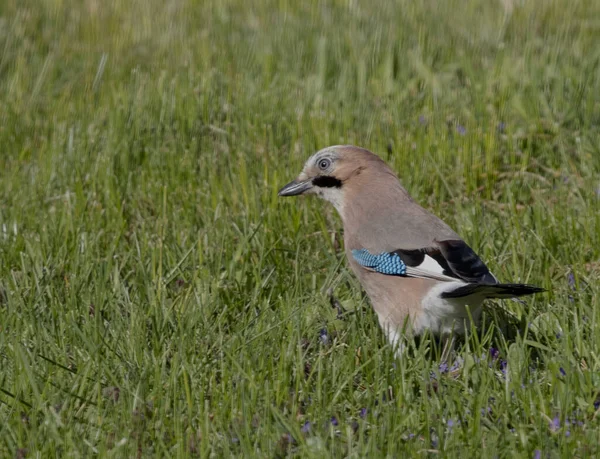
(493, 291)
(411, 257)
(455, 257)
(465, 263)
(458, 260)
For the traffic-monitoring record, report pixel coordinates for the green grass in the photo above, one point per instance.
(158, 299)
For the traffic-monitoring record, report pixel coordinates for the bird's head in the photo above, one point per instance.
(331, 171)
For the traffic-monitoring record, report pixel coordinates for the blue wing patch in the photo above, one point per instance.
(384, 263)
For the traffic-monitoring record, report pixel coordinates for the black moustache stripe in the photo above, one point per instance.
(327, 181)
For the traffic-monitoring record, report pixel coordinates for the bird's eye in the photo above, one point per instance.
(324, 164)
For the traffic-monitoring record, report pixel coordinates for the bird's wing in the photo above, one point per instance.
(448, 260)
(455, 258)
(387, 221)
(392, 264)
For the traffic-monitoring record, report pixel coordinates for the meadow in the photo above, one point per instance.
(157, 299)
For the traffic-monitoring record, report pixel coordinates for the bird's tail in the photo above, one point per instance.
(493, 290)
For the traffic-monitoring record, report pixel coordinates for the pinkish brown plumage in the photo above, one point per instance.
(439, 282)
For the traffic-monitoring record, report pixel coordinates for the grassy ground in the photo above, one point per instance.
(158, 299)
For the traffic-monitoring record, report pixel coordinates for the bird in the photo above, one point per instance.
(418, 273)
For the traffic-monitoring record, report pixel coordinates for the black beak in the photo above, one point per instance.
(295, 188)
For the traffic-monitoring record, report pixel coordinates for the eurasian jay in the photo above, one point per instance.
(414, 268)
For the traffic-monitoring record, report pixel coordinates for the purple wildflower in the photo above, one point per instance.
(501, 127)
(461, 129)
(555, 424)
(494, 353)
(306, 427)
(562, 371)
(537, 454)
(363, 413)
(503, 366)
(597, 404)
(455, 366)
(571, 280)
(334, 421)
(323, 336)
(443, 368)
(422, 120)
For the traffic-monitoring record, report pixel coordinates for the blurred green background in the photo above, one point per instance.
(158, 299)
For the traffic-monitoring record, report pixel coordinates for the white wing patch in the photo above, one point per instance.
(418, 272)
(429, 269)
(429, 264)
